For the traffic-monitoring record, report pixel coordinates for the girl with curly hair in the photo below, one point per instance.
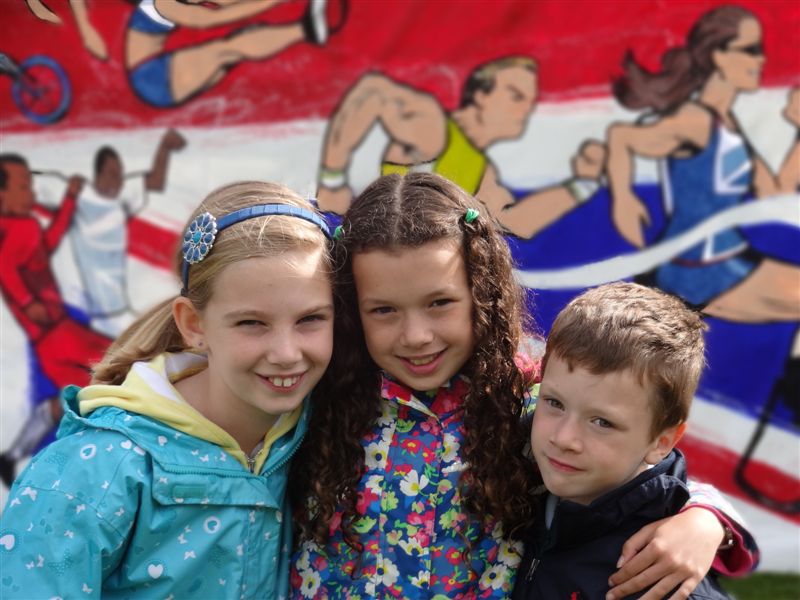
(414, 482)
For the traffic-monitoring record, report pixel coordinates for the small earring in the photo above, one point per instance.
(200, 344)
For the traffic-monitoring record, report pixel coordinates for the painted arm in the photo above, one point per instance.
(156, 178)
(200, 17)
(656, 140)
(532, 213)
(789, 174)
(412, 119)
(63, 217)
(14, 254)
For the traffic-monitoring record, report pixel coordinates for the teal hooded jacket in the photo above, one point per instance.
(142, 497)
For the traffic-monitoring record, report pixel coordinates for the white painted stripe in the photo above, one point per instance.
(732, 430)
(774, 210)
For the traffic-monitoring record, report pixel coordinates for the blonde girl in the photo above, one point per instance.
(169, 476)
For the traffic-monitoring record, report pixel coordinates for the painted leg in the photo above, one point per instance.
(41, 11)
(771, 293)
(92, 40)
(194, 70)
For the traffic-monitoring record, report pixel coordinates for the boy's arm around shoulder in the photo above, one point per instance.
(69, 515)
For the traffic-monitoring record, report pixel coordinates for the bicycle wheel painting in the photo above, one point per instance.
(42, 91)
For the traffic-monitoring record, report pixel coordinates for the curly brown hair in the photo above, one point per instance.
(394, 213)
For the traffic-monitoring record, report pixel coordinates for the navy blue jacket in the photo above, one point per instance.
(575, 557)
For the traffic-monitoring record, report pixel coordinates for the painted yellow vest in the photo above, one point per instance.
(461, 162)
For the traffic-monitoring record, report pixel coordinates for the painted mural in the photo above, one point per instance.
(648, 141)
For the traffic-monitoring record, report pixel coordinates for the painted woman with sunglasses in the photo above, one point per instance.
(708, 166)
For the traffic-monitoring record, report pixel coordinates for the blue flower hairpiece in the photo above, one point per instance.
(199, 238)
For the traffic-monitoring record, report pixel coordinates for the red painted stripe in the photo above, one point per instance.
(716, 465)
(152, 244)
(430, 45)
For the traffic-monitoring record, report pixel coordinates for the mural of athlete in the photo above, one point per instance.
(168, 78)
(64, 348)
(99, 233)
(497, 99)
(709, 166)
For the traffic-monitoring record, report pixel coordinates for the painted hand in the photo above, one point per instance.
(75, 185)
(630, 217)
(37, 312)
(590, 160)
(792, 111)
(173, 140)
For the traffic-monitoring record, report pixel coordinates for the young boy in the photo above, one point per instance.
(621, 366)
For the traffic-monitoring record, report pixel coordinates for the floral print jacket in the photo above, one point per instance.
(418, 541)
(414, 530)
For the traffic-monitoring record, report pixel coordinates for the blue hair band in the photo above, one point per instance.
(202, 231)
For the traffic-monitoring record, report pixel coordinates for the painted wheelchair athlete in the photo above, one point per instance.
(40, 89)
(166, 79)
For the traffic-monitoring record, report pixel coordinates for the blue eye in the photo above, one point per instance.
(600, 422)
(553, 403)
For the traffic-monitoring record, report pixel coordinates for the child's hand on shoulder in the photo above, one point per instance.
(672, 554)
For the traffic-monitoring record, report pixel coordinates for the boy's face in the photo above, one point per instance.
(591, 433)
(17, 198)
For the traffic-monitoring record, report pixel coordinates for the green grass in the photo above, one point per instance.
(764, 586)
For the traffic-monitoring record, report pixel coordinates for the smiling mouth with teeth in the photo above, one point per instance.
(418, 362)
(285, 382)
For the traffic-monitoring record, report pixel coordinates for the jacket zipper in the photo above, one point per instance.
(286, 458)
(534, 563)
(250, 464)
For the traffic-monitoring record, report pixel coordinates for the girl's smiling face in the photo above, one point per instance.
(416, 311)
(268, 333)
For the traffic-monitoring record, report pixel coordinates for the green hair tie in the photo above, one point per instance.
(471, 215)
(338, 232)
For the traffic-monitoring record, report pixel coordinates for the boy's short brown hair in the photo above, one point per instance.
(624, 325)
